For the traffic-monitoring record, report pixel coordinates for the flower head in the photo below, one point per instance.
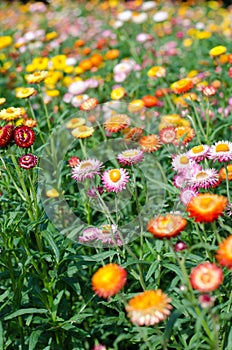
(221, 151)
(11, 113)
(166, 226)
(206, 277)
(25, 92)
(86, 169)
(36, 77)
(224, 253)
(198, 153)
(204, 179)
(167, 135)
(184, 134)
(109, 280)
(148, 308)
(89, 104)
(206, 207)
(73, 161)
(156, 72)
(117, 122)
(182, 85)
(28, 161)
(186, 194)
(181, 162)
(217, 51)
(75, 123)
(6, 134)
(115, 180)
(83, 132)
(130, 157)
(24, 136)
(149, 143)
(222, 172)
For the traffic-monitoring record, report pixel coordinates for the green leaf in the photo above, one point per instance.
(52, 243)
(24, 312)
(1, 336)
(152, 269)
(34, 337)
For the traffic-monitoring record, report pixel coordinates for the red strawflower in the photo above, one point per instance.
(6, 133)
(24, 136)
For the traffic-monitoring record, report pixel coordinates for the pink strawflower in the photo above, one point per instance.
(130, 157)
(99, 347)
(186, 194)
(86, 169)
(167, 135)
(179, 181)
(221, 151)
(27, 161)
(204, 178)
(115, 180)
(198, 153)
(181, 162)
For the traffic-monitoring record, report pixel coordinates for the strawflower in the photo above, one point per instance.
(115, 180)
(166, 226)
(28, 161)
(6, 134)
(117, 122)
(221, 151)
(149, 143)
(224, 253)
(206, 207)
(24, 136)
(83, 131)
(109, 280)
(86, 169)
(130, 157)
(148, 308)
(206, 277)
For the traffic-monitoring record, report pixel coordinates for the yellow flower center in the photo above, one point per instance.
(115, 175)
(25, 91)
(198, 149)
(184, 160)
(222, 147)
(206, 203)
(85, 165)
(10, 110)
(202, 175)
(130, 153)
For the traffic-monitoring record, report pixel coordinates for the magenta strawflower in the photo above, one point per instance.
(130, 157)
(106, 235)
(86, 169)
(198, 153)
(204, 178)
(27, 161)
(115, 180)
(221, 151)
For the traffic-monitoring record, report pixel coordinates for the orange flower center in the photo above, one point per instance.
(37, 74)
(115, 175)
(201, 175)
(223, 147)
(9, 110)
(184, 160)
(197, 149)
(206, 277)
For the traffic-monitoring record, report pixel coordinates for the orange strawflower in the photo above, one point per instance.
(224, 253)
(109, 280)
(206, 277)
(112, 54)
(89, 104)
(206, 207)
(166, 226)
(182, 85)
(150, 143)
(117, 122)
(185, 134)
(133, 134)
(150, 101)
(222, 172)
(148, 308)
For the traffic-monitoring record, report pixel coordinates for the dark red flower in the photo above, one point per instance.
(6, 133)
(24, 136)
(28, 161)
